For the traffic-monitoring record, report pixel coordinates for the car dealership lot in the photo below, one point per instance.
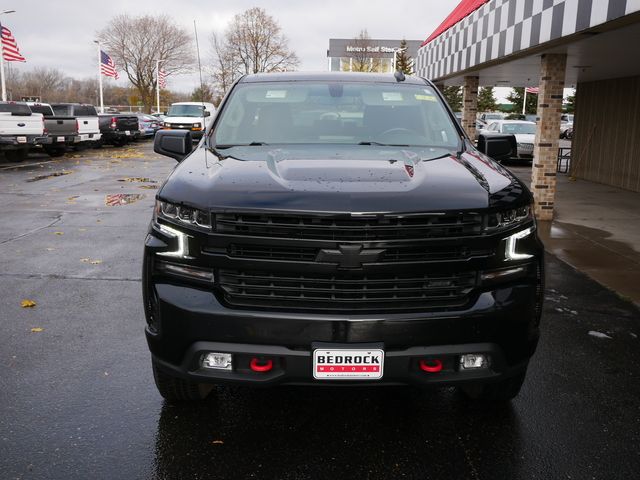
(77, 398)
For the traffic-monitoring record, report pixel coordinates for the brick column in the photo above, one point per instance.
(545, 150)
(470, 106)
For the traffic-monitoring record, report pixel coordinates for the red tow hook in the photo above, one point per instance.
(262, 366)
(431, 366)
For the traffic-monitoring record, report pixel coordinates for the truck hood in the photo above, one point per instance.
(351, 180)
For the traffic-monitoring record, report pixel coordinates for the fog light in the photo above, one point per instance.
(473, 360)
(217, 361)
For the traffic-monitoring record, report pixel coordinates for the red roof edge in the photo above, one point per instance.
(463, 10)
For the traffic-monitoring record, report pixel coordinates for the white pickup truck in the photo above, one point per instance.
(20, 130)
(87, 118)
(193, 116)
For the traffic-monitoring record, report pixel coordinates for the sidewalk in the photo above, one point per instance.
(596, 230)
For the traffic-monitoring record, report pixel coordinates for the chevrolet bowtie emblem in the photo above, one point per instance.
(350, 256)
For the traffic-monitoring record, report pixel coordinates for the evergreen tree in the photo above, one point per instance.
(570, 103)
(453, 95)
(517, 98)
(404, 63)
(486, 100)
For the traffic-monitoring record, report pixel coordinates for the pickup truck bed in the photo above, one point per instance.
(117, 129)
(19, 130)
(62, 131)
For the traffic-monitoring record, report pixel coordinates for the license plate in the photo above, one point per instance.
(128, 132)
(61, 139)
(348, 364)
(21, 139)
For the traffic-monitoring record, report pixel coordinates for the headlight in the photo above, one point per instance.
(510, 250)
(197, 125)
(166, 124)
(509, 218)
(181, 214)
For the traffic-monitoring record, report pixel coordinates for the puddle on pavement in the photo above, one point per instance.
(137, 179)
(49, 175)
(613, 263)
(118, 199)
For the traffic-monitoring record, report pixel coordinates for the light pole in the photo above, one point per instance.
(2, 80)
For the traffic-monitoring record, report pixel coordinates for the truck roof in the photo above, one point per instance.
(330, 76)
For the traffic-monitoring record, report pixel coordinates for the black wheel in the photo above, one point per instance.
(176, 389)
(55, 151)
(16, 155)
(501, 391)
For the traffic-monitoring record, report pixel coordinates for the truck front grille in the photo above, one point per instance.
(397, 254)
(346, 227)
(346, 290)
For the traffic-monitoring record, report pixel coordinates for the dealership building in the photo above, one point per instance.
(552, 44)
(373, 55)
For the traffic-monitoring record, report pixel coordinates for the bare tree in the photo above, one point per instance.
(366, 56)
(135, 43)
(252, 43)
(47, 83)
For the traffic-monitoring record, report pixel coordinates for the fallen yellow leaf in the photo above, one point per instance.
(58, 233)
(37, 330)
(27, 303)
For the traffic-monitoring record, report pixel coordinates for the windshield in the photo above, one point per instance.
(493, 116)
(346, 113)
(185, 111)
(517, 128)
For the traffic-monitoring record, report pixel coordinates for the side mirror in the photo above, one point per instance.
(207, 113)
(176, 144)
(498, 147)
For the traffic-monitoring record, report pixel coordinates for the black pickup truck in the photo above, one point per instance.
(117, 129)
(340, 229)
(62, 131)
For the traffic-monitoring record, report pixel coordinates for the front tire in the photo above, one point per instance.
(502, 391)
(175, 389)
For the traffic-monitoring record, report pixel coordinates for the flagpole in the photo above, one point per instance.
(100, 75)
(158, 85)
(4, 86)
(524, 102)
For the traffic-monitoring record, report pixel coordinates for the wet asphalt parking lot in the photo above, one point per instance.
(77, 399)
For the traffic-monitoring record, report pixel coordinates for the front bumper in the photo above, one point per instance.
(502, 322)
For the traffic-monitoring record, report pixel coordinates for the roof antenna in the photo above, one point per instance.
(399, 76)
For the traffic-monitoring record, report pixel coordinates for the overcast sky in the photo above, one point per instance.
(60, 33)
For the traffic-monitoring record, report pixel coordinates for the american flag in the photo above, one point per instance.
(107, 67)
(162, 78)
(533, 90)
(10, 50)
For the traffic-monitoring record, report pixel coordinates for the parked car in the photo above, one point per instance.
(565, 126)
(62, 131)
(193, 116)
(488, 117)
(20, 130)
(117, 128)
(298, 245)
(87, 119)
(525, 133)
(148, 125)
